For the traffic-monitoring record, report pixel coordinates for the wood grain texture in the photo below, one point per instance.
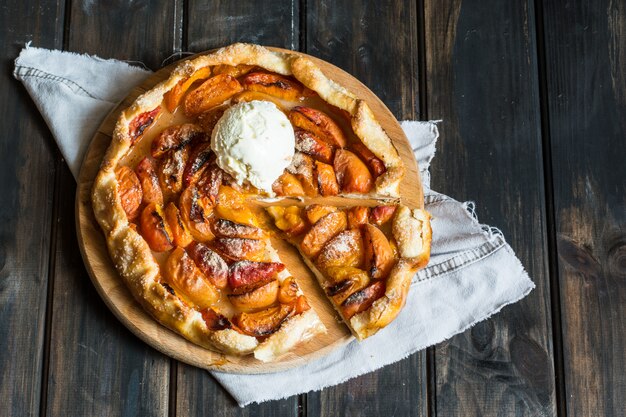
(200, 395)
(27, 173)
(585, 45)
(96, 366)
(141, 32)
(482, 81)
(216, 23)
(376, 42)
(234, 21)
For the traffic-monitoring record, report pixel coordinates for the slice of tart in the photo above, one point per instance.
(363, 257)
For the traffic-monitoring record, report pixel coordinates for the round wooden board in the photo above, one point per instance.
(117, 297)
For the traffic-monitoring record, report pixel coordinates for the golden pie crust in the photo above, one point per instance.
(135, 262)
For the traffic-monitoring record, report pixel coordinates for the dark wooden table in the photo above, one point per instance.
(533, 98)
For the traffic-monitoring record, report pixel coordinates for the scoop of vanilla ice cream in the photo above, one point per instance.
(254, 142)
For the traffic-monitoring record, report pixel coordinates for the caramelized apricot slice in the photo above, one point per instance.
(208, 119)
(345, 281)
(231, 206)
(249, 95)
(288, 219)
(302, 167)
(198, 206)
(199, 160)
(358, 216)
(261, 297)
(345, 249)
(244, 276)
(352, 173)
(236, 248)
(214, 320)
(314, 212)
(363, 299)
(212, 265)
(265, 322)
(140, 123)
(394, 248)
(155, 229)
(171, 170)
(180, 234)
(210, 182)
(319, 123)
(326, 179)
(308, 143)
(274, 85)
(176, 137)
(182, 274)
(376, 166)
(325, 229)
(196, 211)
(382, 214)
(149, 181)
(226, 228)
(337, 274)
(288, 292)
(302, 305)
(379, 258)
(233, 71)
(172, 98)
(288, 185)
(210, 93)
(129, 189)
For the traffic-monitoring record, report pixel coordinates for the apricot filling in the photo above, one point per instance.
(216, 256)
(353, 250)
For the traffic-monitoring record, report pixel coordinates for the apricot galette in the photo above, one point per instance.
(179, 190)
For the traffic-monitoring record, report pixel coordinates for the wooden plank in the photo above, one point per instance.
(211, 25)
(27, 167)
(141, 33)
(377, 43)
(482, 81)
(97, 367)
(374, 41)
(585, 45)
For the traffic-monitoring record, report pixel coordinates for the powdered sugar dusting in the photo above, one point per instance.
(342, 244)
(226, 228)
(214, 263)
(305, 143)
(301, 164)
(238, 248)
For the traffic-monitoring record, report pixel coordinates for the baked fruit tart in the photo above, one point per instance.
(230, 152)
